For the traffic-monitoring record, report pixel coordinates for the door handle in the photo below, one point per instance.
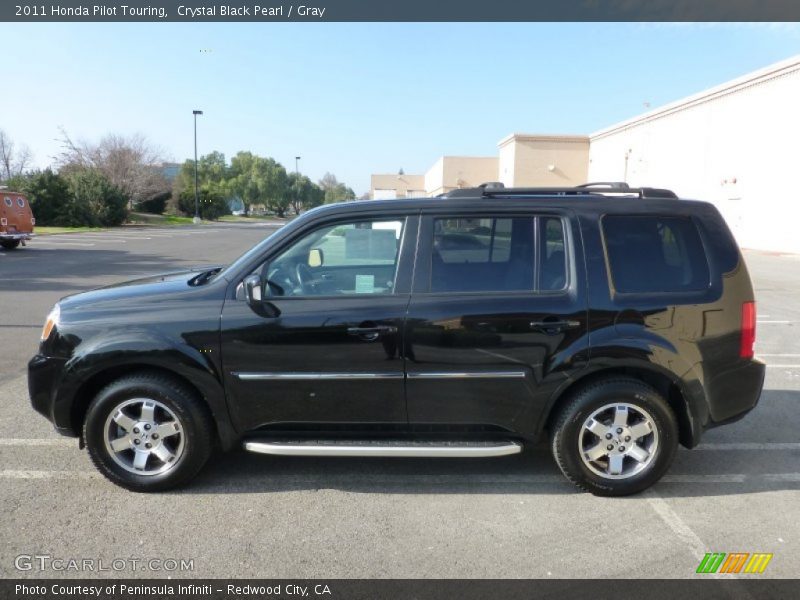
(370, 334)
(553, 327)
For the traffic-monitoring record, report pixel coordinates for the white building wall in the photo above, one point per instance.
(735, 145)
(506, 158)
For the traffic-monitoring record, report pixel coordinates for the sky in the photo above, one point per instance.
(356, 99)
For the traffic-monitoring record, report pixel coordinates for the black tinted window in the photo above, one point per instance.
(553, 255)
(655, 254)
(482, 254)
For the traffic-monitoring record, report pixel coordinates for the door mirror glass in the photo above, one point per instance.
(315, 258)
(253, 289)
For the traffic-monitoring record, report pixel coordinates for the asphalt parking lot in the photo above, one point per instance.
(256, 516)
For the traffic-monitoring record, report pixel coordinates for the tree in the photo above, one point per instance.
(95, 200)
(14, 160)
(211, 202)
(211, 169)
(130, 163)
(334, 190)
(48, 193)
(259, 180)
(304, 193)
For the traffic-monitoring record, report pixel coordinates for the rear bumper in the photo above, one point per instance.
(736, 392)
(44, 374)
(10, 237)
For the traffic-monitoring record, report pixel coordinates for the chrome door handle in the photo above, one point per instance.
(553, 327)
(370, 334)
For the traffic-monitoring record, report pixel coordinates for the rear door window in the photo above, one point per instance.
(655, 254)
(498, 254)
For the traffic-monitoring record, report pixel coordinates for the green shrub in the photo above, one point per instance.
(211, 202)
(47, 192)
(95, 199)
(155, 205)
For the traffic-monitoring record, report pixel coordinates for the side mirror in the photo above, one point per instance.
(253, 289)
(315, 257)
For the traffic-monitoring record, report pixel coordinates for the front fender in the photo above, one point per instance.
(141, 349)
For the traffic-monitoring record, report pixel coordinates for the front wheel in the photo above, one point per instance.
(615, 437)
(9, 244)
(148, 432)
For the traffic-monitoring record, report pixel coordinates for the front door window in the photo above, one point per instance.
(339, 260)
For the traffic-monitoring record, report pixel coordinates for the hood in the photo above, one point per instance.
(153, 287)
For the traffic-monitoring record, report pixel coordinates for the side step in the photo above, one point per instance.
(400, 448)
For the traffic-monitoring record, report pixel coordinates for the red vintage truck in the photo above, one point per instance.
(16, 219)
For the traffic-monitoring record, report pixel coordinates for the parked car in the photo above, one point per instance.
(618, 323)
(16, 219)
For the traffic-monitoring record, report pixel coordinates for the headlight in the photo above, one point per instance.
(52, 321)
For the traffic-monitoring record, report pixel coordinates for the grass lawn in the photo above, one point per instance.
(161, 220)
(250, 219)
(139, 219)
(54, 230)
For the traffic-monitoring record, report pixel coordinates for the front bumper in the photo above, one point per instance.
(44, 375)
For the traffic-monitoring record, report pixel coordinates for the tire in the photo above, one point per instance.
(607, 466)
(9, 244)
(153, 410)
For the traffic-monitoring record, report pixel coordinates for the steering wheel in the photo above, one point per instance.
(305, 277)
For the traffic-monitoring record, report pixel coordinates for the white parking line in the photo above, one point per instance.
(788, 355)
(783, 366)
(49, 243)
(37, 442)
(750, 446)
(676, 524)
(773, 322)
(732, 478)
(49, 475)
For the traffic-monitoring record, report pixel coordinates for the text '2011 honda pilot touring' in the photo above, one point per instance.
(619, 322)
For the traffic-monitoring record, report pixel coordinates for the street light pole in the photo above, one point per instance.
(196, 192)
(296, 182)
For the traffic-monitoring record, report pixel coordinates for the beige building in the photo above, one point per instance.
(523, 160)
(457, 172)
(734, 145)
(543, 160)
(397, 185)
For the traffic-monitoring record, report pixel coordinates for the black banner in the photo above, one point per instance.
(404, 10)
(701, 588)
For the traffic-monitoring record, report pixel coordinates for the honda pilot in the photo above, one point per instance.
(617, 323)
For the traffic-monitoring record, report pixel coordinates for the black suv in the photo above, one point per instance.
(617, 321)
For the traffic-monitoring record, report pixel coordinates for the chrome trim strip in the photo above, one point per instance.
(400, 450)
(468, 375)
(300, 376)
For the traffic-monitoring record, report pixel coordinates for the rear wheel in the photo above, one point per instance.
(9, 244)
(148, 432)
(615, 437)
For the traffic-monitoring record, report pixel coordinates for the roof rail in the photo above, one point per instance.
(586, 189)
(607, 184)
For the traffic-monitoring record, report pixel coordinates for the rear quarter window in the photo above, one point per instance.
(648, 254)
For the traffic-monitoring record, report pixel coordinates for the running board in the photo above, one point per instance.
(400, 448)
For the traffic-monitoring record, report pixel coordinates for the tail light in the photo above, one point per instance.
(748, 341)
(33, 221)
(3, 221)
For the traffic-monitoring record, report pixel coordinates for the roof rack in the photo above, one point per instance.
(600, 188)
